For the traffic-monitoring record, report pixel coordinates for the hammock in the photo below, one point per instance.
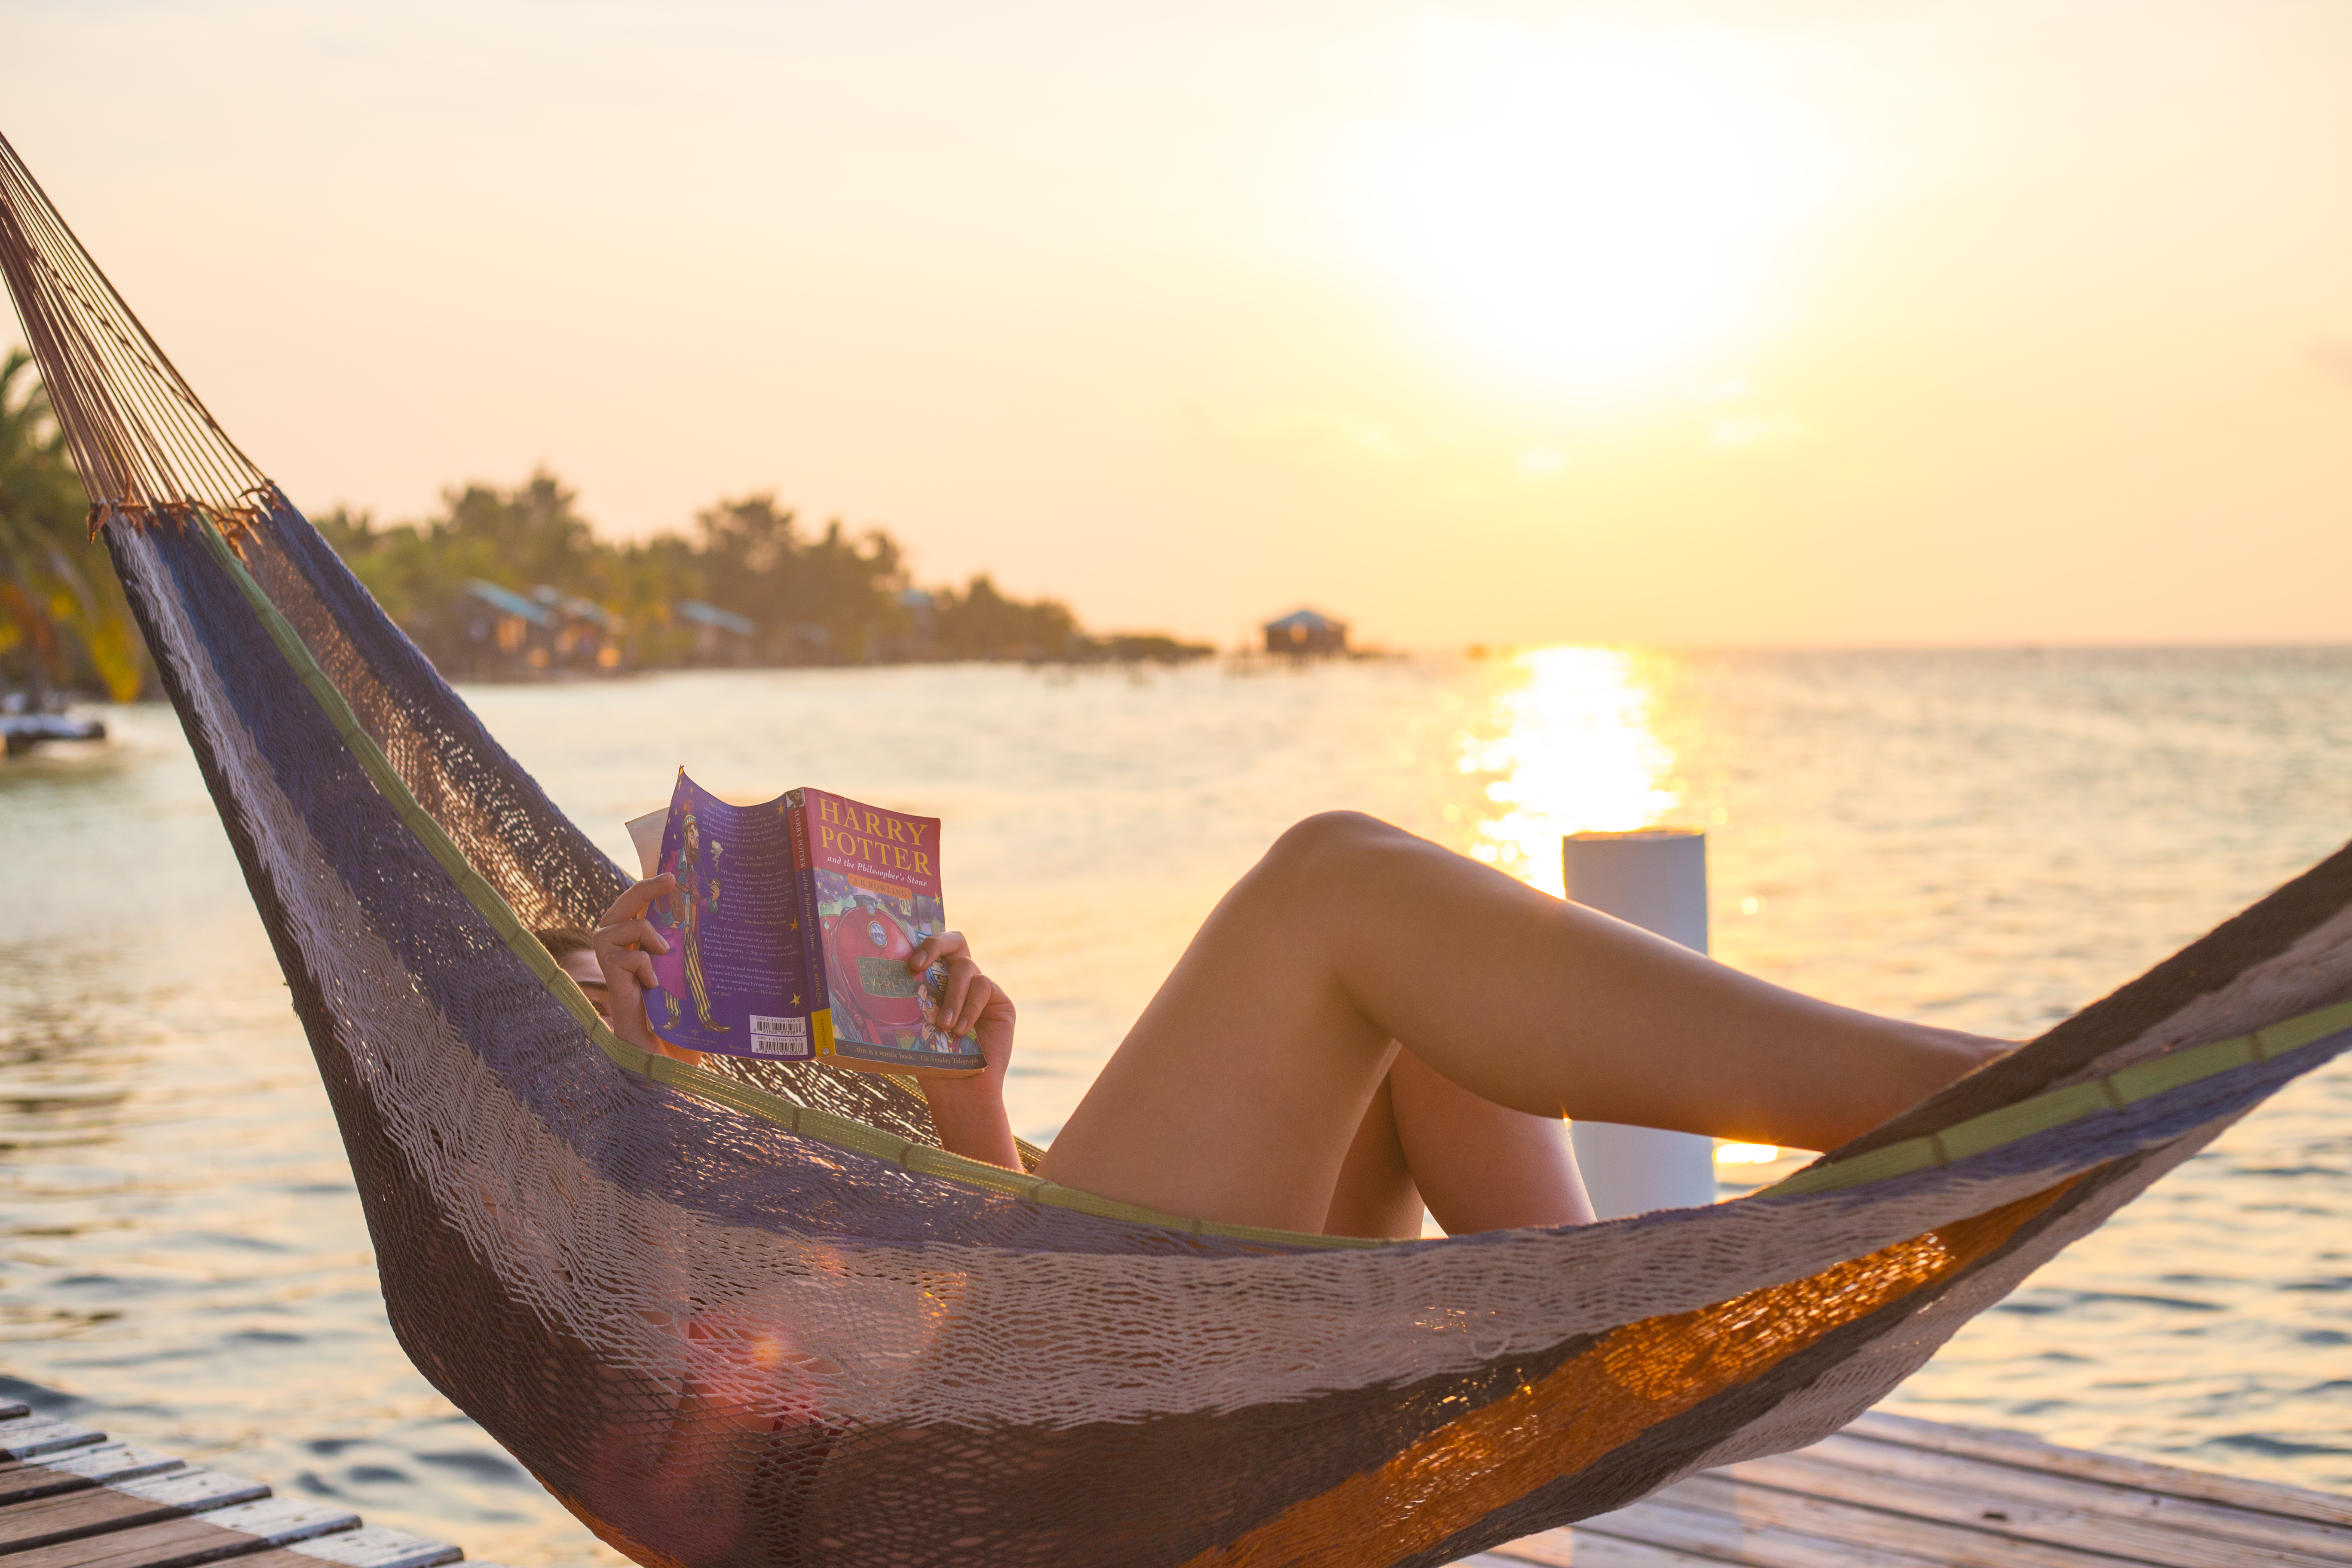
(754, 1314)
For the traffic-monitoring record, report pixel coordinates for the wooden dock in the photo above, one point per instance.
(1887, 1492)
(1892, 1492)
(69, 1499)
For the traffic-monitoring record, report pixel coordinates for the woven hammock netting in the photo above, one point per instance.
(754, 1315)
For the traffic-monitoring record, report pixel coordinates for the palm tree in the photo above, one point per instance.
(61, 617)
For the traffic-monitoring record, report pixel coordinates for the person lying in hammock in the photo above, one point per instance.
(1266, 1084)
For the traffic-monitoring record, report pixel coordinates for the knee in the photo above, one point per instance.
(1315, 851)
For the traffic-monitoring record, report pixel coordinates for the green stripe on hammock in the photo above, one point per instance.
(2126, 1085)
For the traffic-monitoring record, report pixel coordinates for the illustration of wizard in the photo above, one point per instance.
(697, 894)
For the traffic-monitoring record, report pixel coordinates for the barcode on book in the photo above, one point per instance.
(772, 1037)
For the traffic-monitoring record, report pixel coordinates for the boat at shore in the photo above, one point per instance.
(25, 725)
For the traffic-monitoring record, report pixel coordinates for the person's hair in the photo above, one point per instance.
(561, 940)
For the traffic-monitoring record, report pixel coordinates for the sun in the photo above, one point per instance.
(1590, 211)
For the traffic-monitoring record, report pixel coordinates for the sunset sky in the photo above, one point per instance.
(1788, 322)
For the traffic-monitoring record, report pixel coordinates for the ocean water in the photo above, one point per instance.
(1982, 839)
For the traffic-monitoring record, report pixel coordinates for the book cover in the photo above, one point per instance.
(872, 878)
(790, 929)
(736, 979)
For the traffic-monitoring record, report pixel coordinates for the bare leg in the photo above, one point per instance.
(1479, 1165)
(1238, 1093)
(1375, 1194)
(1476, 1166)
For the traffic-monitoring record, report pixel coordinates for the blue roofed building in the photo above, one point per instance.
(720, 636)
(1304, 634)
(510, 636)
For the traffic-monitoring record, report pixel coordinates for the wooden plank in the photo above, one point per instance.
(1898, 1492)
(46, 1521)
(2007, 1513)
(234, 1532)
(25, 1436)
(68, 1499)
(176, 1544)
(1565, 1549)
(1885, 1467)
(278, 1521)
(1576, 1548)
(370, 1546)
(22, 1483)
(111, 1462)
(1954, 1530)
(2015, 1449)
(1804, 1533)
(77, 1469)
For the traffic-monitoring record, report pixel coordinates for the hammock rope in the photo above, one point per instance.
(752, 1313)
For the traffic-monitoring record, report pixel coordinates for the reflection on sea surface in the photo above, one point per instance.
(1986, 840)
(1569, 746)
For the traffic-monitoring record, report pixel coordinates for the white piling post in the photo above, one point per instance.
(1654, 879)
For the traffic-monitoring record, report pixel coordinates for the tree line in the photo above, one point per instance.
(789, 594)
(512, 581)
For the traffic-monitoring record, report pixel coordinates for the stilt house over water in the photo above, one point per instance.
(1305, 633)
(720, 636)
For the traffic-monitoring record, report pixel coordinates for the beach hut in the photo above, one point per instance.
(1305, 633)
(507, 634)
(720, 636)
(588, 636)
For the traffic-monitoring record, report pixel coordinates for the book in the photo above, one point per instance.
(790, 929)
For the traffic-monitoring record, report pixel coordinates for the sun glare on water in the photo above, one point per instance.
(1592, 213)
(1572, 748)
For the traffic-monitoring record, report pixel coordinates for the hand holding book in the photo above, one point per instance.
(788, 928)
(968, 1111)
(625, 942)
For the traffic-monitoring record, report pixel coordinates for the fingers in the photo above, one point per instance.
(969, 994)
(934, 949)
(621, 943)
(621, 935)
(976, 1001)
(960, 973)
(966, 991)
(639, 895)
(629, 975)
